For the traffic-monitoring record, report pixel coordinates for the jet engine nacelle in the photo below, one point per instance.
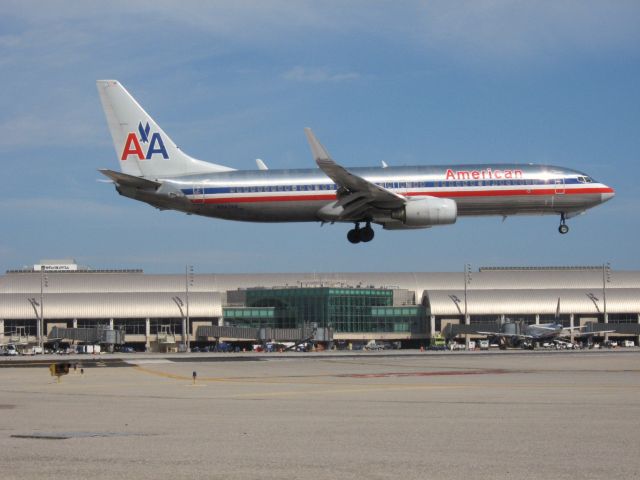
(425, 212)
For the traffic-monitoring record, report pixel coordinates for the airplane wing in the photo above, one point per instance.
(505, 335)
(591, 334)
(358, 195)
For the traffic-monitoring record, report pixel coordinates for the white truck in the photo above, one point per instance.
(10, 350)
(88, 349)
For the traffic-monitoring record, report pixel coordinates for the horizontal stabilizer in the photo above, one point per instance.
(130, 180)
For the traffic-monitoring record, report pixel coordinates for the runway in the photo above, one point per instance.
(572, 415)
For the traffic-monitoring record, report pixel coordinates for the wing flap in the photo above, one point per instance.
(355, 208)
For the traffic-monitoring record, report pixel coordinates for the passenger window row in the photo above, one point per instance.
(407, 185)
(284, 188)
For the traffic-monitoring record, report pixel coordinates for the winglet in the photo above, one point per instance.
(261, 165)
(318, 151)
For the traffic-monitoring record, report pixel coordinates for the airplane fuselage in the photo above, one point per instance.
(298, 195)
(520, 335)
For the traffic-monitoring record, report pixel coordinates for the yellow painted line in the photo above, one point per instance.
(248, 380)
(161, 374)
(257, 381)
(361, 387)
(295, 378)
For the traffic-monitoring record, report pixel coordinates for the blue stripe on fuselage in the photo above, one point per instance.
(390, 185)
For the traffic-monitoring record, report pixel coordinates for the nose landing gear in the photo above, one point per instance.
(563, 228)
(357, 234)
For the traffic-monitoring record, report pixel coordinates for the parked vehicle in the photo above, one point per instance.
(223, 347)
(372, 345)
(484, 344)
(10, 350)
(32, 350)
(88, 349)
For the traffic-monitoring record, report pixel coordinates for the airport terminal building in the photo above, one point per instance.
(158, 312)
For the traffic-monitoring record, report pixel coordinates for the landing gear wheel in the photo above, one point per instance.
(563, 228)
(354, 235)
(367, 233)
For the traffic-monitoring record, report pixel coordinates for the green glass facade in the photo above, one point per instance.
(345, 310)
(251, 317)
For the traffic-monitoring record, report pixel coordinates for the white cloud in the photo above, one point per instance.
(38, 130)
(318, 75)
(488, 28)
(514, 29)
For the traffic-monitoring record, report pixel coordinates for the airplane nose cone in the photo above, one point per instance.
(608, 195)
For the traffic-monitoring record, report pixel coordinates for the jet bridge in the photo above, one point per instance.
(266, 334)
(96, 335)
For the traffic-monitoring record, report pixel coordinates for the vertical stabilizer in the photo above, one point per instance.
(142, 147)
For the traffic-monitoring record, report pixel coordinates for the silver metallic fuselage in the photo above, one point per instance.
(298, 195)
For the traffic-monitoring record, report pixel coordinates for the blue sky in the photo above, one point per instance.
(410, 83)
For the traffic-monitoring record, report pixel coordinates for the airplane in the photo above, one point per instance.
(154, 170)
(521, 335)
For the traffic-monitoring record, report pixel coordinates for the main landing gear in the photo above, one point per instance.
(357, 235)
(563, 228)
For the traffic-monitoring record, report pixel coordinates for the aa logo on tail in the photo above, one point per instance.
(132, 144)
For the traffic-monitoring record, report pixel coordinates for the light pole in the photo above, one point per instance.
(188, 282)
(179, 303)
(467, 281)
(456, 302)
(594, 299)
(34, 304)
(44, 282)
(606, 278)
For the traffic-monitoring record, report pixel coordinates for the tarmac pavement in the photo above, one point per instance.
(449, 416)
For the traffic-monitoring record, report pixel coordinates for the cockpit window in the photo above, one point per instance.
(585, 179)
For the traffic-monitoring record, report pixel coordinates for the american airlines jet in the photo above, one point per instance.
(154, 170)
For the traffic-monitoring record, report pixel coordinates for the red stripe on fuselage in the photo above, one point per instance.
(513, 193)
(441, 194)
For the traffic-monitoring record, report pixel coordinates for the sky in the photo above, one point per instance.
(410, 83)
